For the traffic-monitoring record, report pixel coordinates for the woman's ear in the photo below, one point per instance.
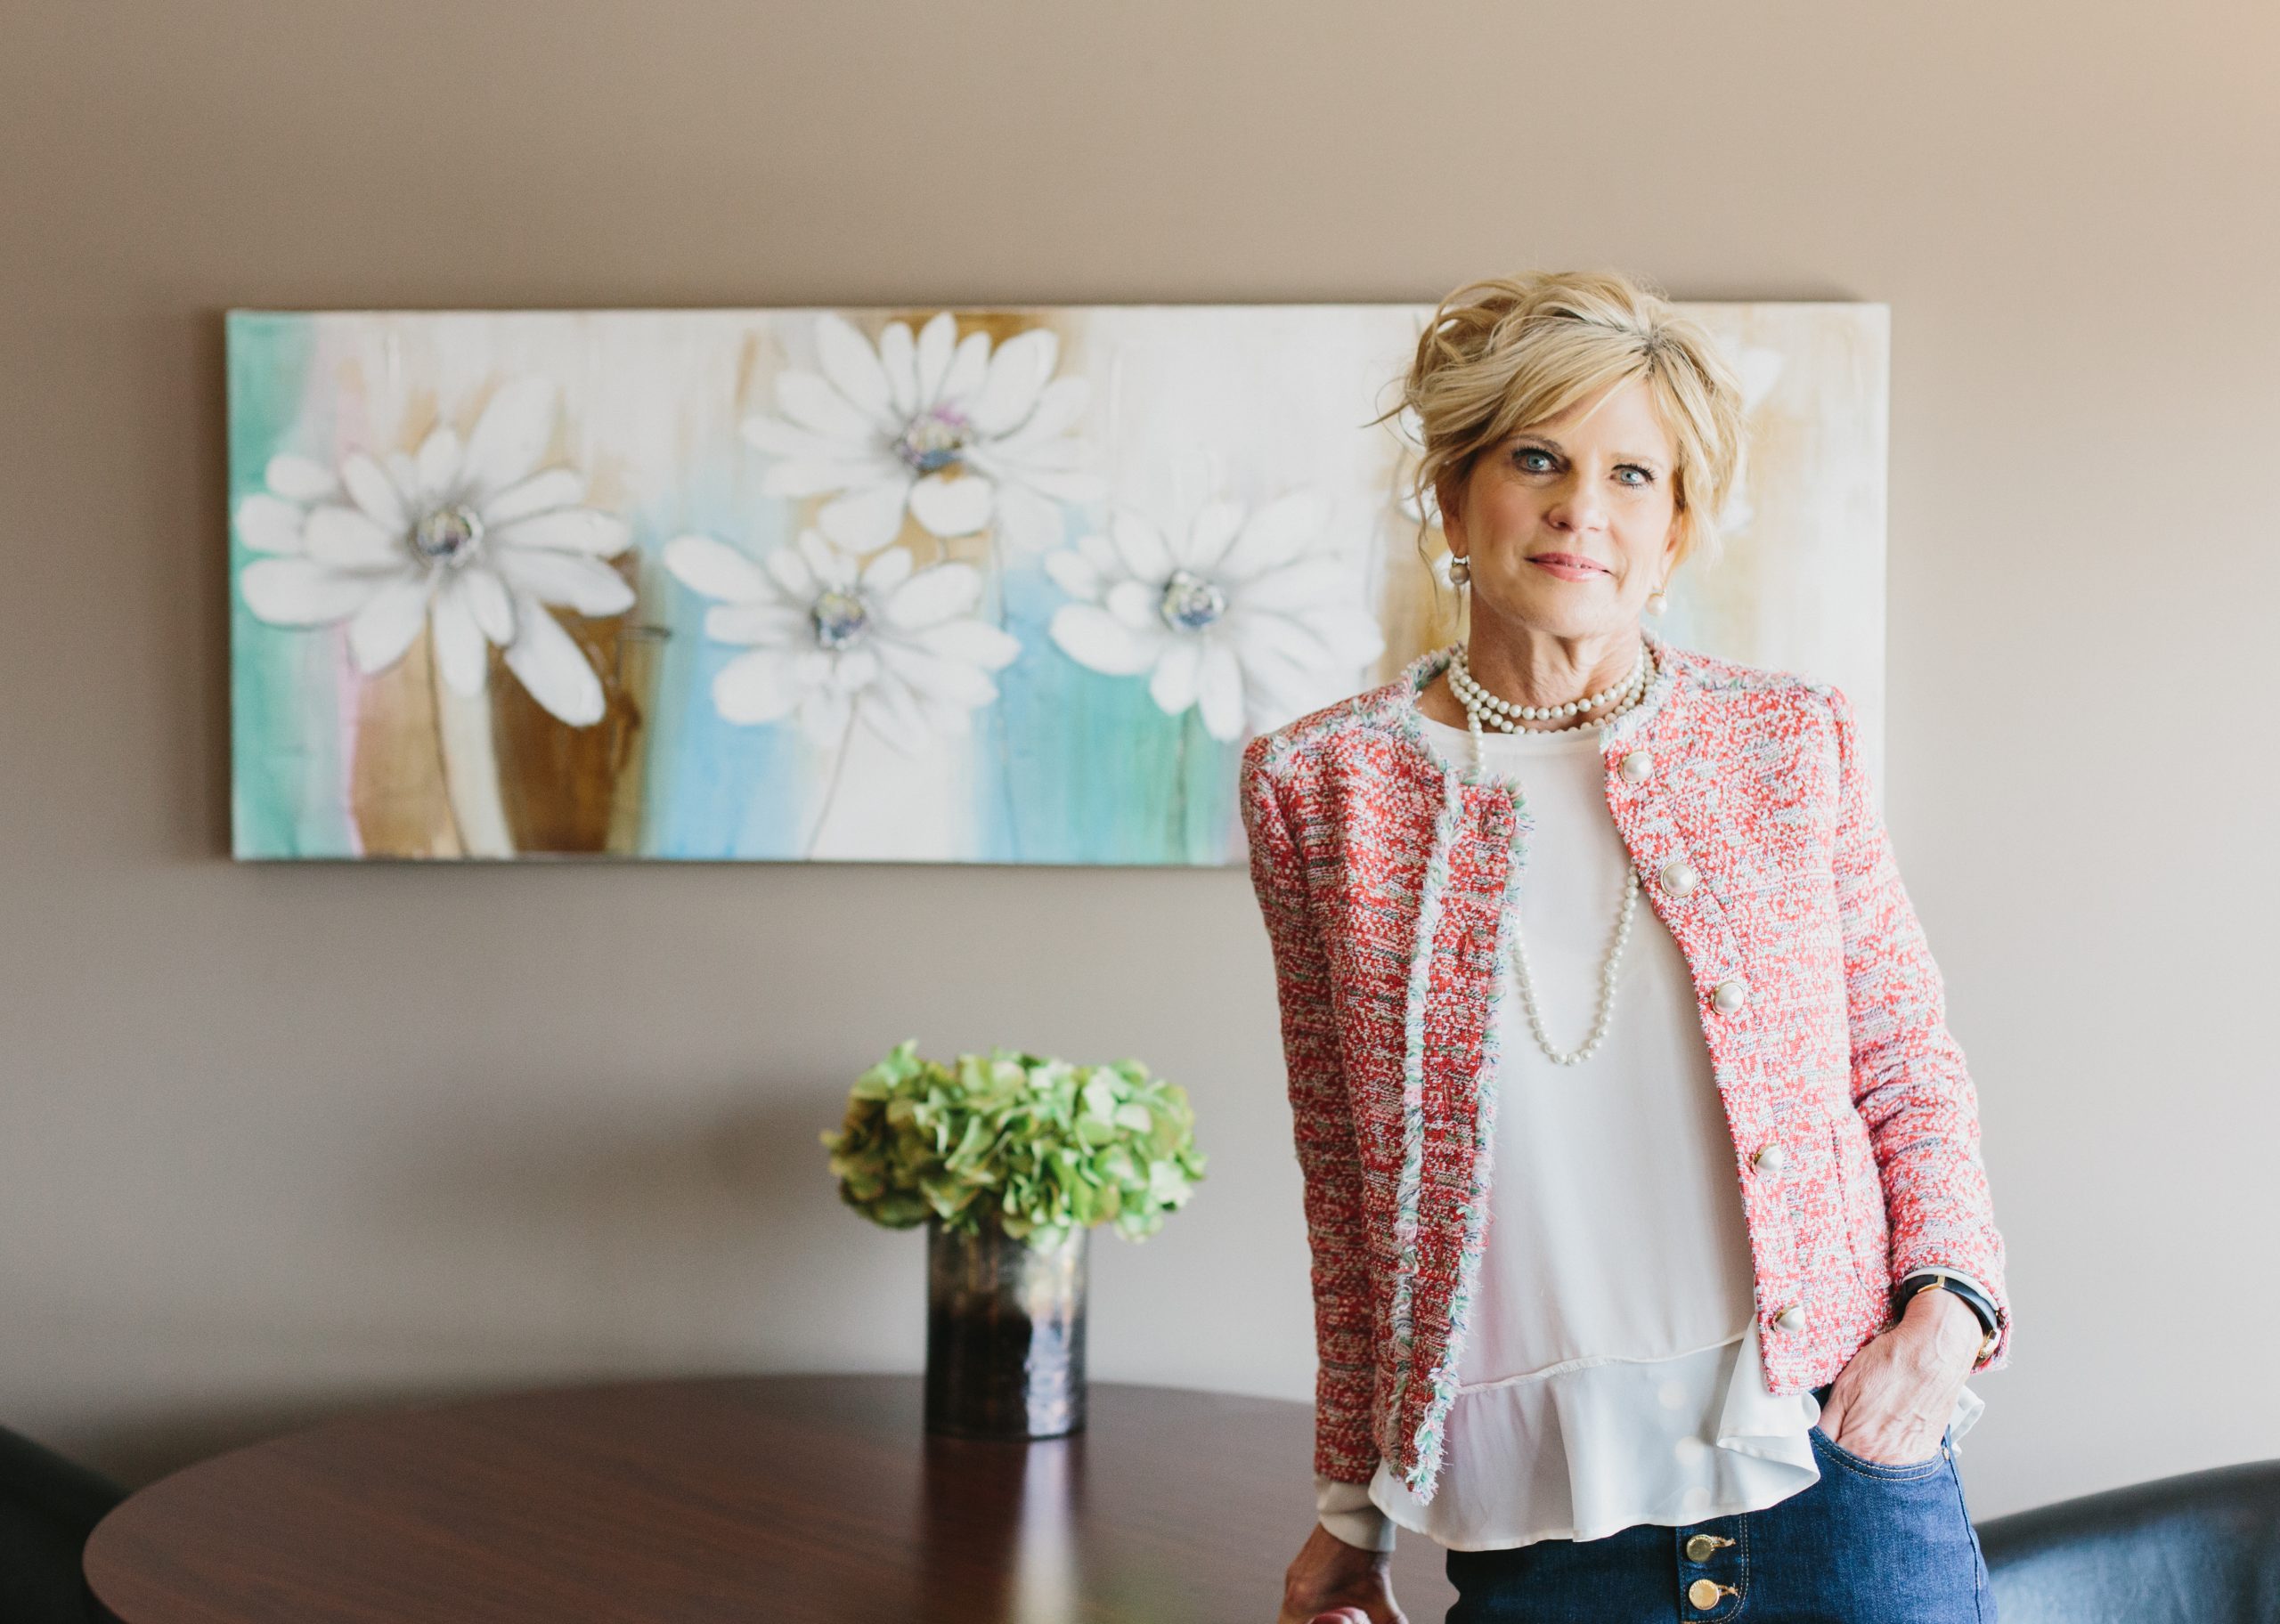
(1447, 499)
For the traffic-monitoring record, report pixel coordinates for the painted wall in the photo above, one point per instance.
(274, 1141)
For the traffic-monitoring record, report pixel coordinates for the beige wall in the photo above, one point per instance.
(276, 1140)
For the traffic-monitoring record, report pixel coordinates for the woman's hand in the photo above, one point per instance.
(1338, 1583)
(1890, 1404)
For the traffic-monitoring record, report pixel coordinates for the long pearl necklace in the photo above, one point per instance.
(1477, 704)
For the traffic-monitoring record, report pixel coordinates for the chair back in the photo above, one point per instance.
(2203, 1548)
(48, 1506)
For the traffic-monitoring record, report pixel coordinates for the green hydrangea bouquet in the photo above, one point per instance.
(1037, 1145)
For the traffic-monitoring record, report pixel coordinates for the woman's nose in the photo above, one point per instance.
(1577, 507)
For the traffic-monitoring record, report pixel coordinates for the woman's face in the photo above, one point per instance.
(1570, 523)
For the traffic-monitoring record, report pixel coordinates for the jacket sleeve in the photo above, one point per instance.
(1329, 1164)
(1909, 1080)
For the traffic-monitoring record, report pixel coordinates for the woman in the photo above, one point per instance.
(1700, 1343)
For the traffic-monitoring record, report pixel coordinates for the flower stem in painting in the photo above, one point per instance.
(1003, 750)
(831, 785)
(1179, 780)
(470, 766)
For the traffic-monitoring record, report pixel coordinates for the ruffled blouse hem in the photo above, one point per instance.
(1640, 1453)
(1518, 1483)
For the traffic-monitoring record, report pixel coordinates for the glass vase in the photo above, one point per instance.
(1005, 1332)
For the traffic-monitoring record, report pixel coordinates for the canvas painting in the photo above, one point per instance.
(964, 585)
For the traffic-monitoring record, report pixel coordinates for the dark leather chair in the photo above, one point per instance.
(48, 1506)
(2203, 1548)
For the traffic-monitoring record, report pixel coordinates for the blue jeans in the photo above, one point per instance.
(1866, 1544)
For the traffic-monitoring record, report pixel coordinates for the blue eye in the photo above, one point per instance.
(1525, 452)
(1646, 476)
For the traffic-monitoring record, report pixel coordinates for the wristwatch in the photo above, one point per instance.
(1974, 1299)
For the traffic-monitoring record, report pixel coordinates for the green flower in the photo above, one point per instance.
(1034, 1144)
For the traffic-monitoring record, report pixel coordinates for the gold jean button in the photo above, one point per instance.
(1704, 1593)
(1702, 1548)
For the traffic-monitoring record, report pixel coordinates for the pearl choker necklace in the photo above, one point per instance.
(1468, 690)
(1479, 702)
(1482, 706)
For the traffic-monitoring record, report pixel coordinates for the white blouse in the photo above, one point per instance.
(1610, 1373)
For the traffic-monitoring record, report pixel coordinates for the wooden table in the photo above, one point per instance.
(761, 1500)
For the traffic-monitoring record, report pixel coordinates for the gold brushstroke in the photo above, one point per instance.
(396, 793)
(640, 651)
(578, 789)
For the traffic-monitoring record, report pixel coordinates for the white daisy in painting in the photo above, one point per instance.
(471, 539)
(830, 638)
(1246, 617)
(961, 436)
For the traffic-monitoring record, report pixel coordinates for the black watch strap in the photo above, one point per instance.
(1974, 1298)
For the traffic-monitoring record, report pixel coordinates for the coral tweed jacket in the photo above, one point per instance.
(1387, 882)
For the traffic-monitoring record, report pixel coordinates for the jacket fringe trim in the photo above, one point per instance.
(1433, 887)
(1424, 1478)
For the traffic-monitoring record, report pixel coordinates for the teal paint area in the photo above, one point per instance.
(286, 746)
(1083, 768)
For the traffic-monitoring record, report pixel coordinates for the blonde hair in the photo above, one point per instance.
(1505, 352)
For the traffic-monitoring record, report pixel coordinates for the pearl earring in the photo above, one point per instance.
(1460, 570)
(1657, 601)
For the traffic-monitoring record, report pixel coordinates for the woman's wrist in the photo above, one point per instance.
(1944, 1324)
(1948, 1282)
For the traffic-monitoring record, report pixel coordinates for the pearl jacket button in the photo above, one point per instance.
(1770, 1158)
(1679, 876)
(1792, 1317)
(1730, 997)
(1636, 766)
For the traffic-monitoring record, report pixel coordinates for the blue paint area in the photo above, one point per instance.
(1069, 766)
(714, 789)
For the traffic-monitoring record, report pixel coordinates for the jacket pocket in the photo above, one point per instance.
(1862, 1204)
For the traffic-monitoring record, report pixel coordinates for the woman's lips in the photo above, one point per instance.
(1568, 566)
